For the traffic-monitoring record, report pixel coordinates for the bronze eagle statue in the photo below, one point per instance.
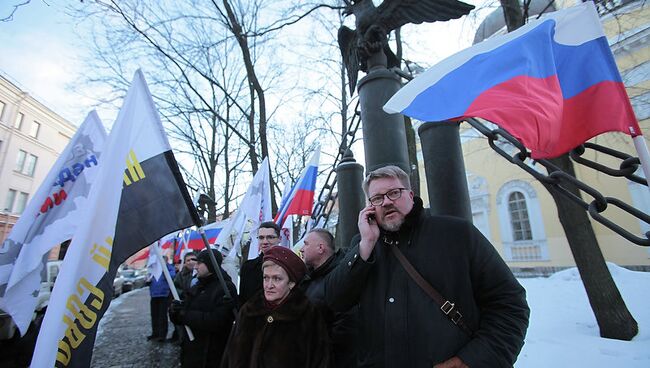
(373, 24)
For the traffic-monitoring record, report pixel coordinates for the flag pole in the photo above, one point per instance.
(644, 157)
(217, 270)
(182, 259)
(170, 282)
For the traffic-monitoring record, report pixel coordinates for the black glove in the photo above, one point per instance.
(177, 312)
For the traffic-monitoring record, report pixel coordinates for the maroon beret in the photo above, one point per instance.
(288, 260)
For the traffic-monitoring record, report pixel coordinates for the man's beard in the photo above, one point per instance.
(392, 225)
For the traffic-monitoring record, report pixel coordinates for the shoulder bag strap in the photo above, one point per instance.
(448, 308)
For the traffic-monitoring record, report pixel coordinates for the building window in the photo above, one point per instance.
(21, 202)
(2, 110)
(521, 223)
(30, 165)
(15, 202)
(20, 160)
(26, 163)
(519, 217)
(35, 128)
(19, 120)
(9, 200)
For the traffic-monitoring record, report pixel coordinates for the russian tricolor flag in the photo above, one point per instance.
(553, 84)
(194, 241)
(300, 200)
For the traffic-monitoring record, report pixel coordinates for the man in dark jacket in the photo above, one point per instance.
(321, 258)
(208, 314)
(183, 279)
(250, 274)
(400, 324)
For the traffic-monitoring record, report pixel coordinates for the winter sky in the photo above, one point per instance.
(42, 51)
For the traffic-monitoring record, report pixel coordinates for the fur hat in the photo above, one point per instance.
(288, 260)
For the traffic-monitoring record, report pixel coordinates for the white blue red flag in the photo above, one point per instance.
(300, 200)
(193, 240)
(552, 83)
(51, 217)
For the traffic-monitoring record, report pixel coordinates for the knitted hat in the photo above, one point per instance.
(288, 260)
(204, 257)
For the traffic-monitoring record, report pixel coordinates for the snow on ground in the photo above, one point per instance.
(115, 305)
(563, 331)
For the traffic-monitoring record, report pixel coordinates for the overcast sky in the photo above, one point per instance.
(41, 51)
(39, 54)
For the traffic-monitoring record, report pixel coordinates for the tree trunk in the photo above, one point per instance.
(513, 14)
(614, 319)
(256, 90)
(612, 315)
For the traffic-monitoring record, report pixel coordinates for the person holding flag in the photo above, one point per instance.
(208, 312)
(185, 278)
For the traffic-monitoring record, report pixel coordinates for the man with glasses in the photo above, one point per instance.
(250, 274)
(480, 315)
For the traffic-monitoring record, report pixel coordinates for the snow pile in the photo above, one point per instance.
(563, 331)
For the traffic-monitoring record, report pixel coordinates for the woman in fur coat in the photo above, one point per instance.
(279, 327)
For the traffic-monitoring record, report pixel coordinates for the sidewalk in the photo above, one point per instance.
(122, 336)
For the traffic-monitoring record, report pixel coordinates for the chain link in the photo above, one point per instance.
(561, 181)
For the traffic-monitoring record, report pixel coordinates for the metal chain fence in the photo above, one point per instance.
(597, 203)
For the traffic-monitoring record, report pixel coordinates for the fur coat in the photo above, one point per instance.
(292, 335)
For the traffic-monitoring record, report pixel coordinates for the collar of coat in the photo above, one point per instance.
(326, 267)
(292, 309)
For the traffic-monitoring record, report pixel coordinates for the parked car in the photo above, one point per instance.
(133, 279)
(118, 284)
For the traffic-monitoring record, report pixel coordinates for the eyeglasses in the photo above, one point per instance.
(393, 195)
(267, 237)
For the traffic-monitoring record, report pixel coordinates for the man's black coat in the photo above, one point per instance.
(342, 326)
(401, 326)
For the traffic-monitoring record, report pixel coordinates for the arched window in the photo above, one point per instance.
(519, 217)
(521, 223)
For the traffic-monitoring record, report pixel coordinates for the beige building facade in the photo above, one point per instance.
(31, 138)
(518, 215)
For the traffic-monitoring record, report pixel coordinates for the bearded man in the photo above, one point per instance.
(480, 315)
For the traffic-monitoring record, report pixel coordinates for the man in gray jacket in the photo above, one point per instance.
(483, 323)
